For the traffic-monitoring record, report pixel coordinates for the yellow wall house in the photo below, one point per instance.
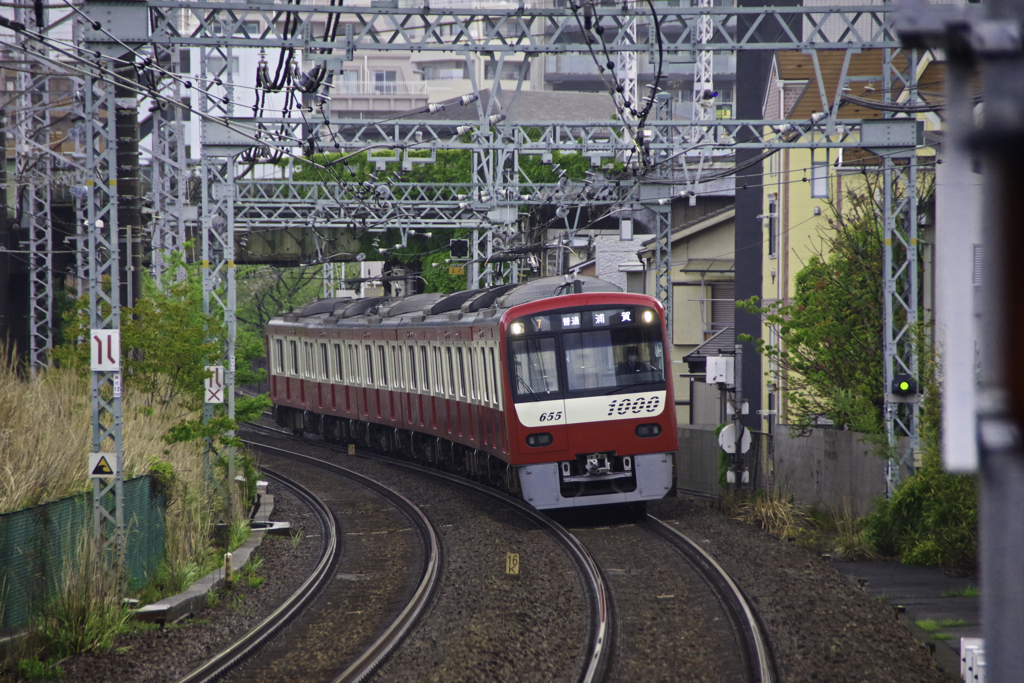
(803, 188)
(702, 303)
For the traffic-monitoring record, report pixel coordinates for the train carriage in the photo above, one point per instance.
(556, 390)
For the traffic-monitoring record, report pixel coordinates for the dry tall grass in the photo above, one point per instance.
(46, 438)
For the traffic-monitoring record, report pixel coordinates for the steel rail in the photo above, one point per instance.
(244, 647)
(594, 668)
(373, 656)
(758, 656)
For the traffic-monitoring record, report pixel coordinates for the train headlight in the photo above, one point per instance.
(646, 431)
(647, 316)
(517, 328)
(539, 440)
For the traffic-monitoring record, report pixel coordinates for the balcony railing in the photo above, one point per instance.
(383, 88)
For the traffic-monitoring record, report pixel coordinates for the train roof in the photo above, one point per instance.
(465, 307)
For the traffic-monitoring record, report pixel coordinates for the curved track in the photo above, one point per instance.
(367, 662)
(295, 604)
(594, 667)
(758, 661)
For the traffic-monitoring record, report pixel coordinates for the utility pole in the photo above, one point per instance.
(4, 231)
(129, 192)
(989, 36)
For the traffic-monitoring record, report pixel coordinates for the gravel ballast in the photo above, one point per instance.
(822, 628)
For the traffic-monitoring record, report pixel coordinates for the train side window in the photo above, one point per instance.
(425, 362)
(369, 364)
(308, 371)
(325, 369)
(494, 378)
(412, 368)
(353, 363)
(339, 373)
(462, 374)
(472, 374)
(451, 372)
(401, 366)
(383, 365)
(295, 356)
(280, 355)
(439, 371)
(483, 369)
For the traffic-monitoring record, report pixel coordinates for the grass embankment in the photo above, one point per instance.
(45, 439)
(930, 520)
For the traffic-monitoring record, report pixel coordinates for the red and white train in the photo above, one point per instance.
(556, 390)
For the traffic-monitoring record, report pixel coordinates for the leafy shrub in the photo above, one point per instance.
(931, 519)
(39, 670)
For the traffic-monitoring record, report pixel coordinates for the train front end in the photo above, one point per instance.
(592, 419)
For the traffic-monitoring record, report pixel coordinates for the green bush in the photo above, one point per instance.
(39, 670)
(931, 519)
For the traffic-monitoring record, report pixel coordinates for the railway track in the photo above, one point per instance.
(592, 667)
(242, 649)
(674, 615)
(740, 638)
(262, 647)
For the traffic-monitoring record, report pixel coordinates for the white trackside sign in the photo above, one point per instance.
(105, 350)
(215, 384)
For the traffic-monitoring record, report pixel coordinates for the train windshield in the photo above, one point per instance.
(535, 367)
(612, 358)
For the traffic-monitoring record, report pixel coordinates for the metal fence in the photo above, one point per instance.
(37, 543)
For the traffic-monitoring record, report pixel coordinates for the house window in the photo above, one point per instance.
(348, 82)
(773, 229)
(509, 71)
(819, 179)
(385, 82)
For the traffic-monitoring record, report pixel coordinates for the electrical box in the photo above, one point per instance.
(719, 370)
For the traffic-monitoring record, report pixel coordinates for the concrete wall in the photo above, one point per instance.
(697, 461)
(611, 252)
(828, 468)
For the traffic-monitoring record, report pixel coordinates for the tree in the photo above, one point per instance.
(830, 351)
(168, 343)
(265, 292)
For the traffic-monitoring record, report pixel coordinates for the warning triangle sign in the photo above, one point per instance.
(102, 468)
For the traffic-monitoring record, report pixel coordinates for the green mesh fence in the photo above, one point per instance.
(35, 543)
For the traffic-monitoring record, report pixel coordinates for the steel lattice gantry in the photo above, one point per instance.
(497, 144)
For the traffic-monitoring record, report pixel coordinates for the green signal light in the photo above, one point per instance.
(904, 385)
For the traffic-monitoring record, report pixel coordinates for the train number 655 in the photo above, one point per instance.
(551, 417)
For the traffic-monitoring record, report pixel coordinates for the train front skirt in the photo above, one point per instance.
(543, 487)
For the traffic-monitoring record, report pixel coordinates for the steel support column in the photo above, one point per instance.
(104, 306)
(34, 178)
(900, 288)
(169, 170)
